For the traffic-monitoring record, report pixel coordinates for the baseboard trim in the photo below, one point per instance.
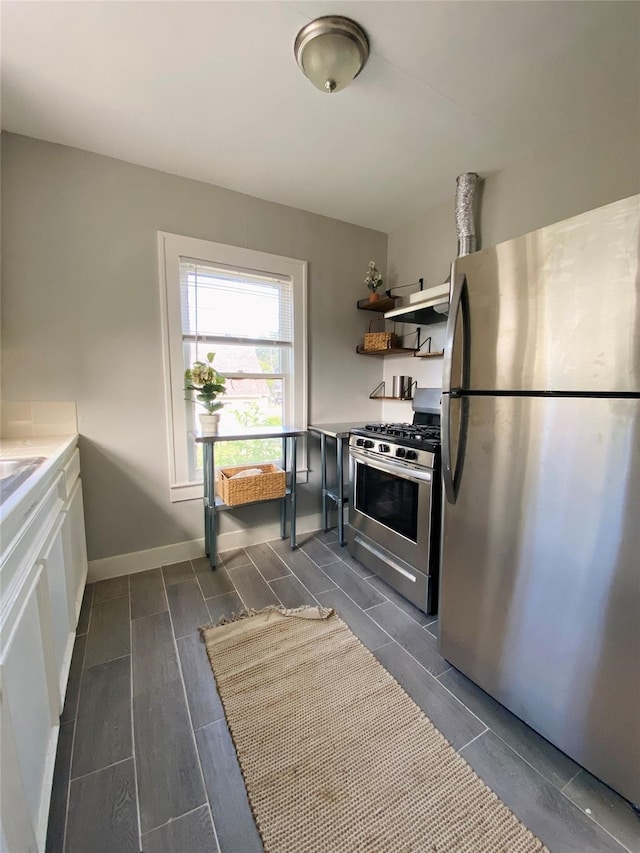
(140, 561)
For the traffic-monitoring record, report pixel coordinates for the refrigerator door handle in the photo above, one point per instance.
(458, 300)
(445, 442)
(458, 287)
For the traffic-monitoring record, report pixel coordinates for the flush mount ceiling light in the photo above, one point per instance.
(331, 51)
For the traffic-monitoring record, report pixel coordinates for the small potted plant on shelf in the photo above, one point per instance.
(373, 280)
(203, 379)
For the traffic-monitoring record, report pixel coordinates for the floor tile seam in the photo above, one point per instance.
(382, 646)
(190, 719)
(182, 580)
(526, 761)
(110, 660)
(575, 776)
(489, 728)
(281, 577)
(303, 585)
(197, 631)
(548, 781)
(144, 616)
(565, 795)
(108, 600)
(166, 584)
(366, 580)
(317, 565)
(362, 610)
(356, 575)
(222, 719)
(172, 820)
(413, 622)
(133, 733)
(283, 561)
(166, 595)
(75, 729)
(430, 674)
(294, 574)
(295, 578)
(257, 567)
(242, 548)
(101, 769)
(236, 590)
(234, 568)
(469, 742)
(222, 595)
(289, 572)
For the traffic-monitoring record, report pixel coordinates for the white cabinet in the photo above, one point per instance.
(42, 577)
(77, 565)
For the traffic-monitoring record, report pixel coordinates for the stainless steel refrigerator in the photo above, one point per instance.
(540, 583)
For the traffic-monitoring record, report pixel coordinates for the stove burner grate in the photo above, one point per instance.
(413, 432)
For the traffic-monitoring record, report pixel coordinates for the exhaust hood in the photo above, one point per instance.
(430, 305)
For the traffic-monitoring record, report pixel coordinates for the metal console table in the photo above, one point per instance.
(340, 495)
(214, 504)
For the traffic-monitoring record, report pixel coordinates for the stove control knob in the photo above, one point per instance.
(383, 448)
(368, 443)
(359, 442)
(411, 454)
(400, 452)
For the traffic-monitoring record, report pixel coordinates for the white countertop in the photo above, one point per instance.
(51, 448)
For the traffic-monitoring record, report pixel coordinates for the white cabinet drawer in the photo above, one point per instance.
(38, 520)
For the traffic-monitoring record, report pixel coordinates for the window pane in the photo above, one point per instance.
(231, 453)
(252, 403)
(239, 358)
(248, 403)
(226, 305)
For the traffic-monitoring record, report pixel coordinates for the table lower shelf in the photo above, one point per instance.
(221, 505)
(333, 494)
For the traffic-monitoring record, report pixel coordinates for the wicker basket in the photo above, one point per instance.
(272, 483)
(379, 340)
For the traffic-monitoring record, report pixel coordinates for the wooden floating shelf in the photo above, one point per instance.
(388, 351)
(436, 354)
(385, 303)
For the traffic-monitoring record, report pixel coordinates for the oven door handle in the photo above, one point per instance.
(397, 470)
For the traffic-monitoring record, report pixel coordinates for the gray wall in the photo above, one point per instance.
(81, 320)
(581, 170)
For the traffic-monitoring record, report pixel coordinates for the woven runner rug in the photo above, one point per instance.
(336, 756)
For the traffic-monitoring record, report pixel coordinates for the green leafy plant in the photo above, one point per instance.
(207, 384)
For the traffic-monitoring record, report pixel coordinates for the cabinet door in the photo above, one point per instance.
(30, 707)
(77, 569)
(56, 560)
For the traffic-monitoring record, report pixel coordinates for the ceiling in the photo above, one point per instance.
(211, 91)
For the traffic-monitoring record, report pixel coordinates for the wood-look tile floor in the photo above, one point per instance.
(145, 761)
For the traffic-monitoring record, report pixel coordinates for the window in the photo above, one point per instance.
(249, 308)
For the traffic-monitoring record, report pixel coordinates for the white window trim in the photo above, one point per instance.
(171, 247)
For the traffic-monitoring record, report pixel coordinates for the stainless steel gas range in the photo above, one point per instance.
(394, 522)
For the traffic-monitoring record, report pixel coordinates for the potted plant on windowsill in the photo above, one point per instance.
(204, 380)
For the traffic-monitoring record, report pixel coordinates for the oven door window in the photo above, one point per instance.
(388, 499)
